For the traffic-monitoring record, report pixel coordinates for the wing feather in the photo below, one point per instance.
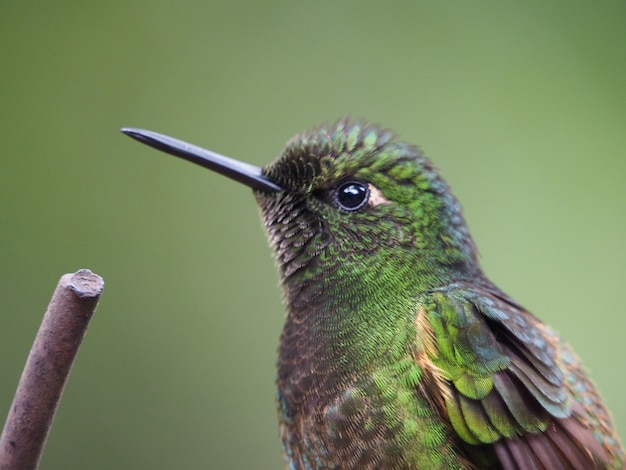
(503, 383)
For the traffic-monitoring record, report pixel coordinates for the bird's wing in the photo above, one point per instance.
(502, 380)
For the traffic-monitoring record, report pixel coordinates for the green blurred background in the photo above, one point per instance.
(521, 104)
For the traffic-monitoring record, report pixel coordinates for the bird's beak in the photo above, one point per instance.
(245, 173)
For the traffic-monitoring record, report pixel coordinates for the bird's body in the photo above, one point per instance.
(517, 392)
(397, 351)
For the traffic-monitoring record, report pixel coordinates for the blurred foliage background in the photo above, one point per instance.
(521, 104)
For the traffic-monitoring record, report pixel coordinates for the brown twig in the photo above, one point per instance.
(47, 368)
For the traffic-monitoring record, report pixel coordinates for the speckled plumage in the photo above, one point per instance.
(397, 351)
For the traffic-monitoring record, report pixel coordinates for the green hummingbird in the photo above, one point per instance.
(397, 351)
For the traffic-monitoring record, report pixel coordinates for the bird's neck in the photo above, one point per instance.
(357, 306)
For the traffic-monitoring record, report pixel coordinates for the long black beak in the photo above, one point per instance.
(245, 173)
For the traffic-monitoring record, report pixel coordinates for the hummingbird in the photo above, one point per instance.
(397, 351)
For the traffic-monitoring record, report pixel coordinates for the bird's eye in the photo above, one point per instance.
(352, 195)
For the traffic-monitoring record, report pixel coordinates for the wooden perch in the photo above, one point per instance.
(47, 368)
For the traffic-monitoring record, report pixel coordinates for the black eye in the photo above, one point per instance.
(352, 195)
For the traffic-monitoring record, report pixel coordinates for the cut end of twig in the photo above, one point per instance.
(47, 368)
(84, 283)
